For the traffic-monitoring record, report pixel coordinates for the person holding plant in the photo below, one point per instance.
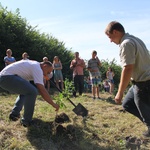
(135, 60)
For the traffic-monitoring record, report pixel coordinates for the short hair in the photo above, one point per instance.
(94, 52)
(76, 53)
(114, 25)
(47, 63)
(8, 50)
(25, 53)
(45, 58)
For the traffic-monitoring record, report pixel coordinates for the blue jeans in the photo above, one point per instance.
(137, 101)
(27, 95)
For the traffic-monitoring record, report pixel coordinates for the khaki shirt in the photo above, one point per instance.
(134, 51)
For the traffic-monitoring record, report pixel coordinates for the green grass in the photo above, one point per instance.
(105, 127)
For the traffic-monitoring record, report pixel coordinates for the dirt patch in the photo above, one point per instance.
(62, 118)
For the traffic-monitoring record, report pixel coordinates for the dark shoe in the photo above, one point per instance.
(13, 117)
(98, 98)
(93, 98)
(25, 123)
(74, 94)
(80, 94)
(147, 133)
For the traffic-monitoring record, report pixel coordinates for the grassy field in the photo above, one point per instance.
(105, 128)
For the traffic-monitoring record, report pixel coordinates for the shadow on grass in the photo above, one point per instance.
(52, 136)
(109, 100)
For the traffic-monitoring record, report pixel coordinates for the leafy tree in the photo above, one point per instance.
(19, 36)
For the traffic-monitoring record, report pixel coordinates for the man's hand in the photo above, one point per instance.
(56, 106)
(46, 96)
(118, 98)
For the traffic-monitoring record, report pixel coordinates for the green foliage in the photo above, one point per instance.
(60, 100)
(69, 87)
(18, 35)
(66, 93)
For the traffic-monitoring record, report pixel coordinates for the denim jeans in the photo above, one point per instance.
(137, 101)
(27, 94)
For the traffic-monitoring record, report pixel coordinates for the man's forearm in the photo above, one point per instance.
(125, 78)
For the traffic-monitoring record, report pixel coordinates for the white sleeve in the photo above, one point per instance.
(38, 76)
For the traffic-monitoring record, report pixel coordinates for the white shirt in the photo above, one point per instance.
(26, 69)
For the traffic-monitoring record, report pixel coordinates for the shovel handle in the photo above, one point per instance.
(61, 92)
(56, 86)
(71, 102)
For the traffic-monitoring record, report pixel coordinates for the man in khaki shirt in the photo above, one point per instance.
(135, 60)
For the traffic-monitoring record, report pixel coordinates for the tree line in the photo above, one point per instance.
(19, 36)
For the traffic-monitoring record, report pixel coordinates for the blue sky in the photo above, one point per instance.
(80, 24)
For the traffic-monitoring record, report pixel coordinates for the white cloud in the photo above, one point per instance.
(86, 36)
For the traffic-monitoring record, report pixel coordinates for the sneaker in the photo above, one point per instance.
(13, 117)
(98, 98)
(147, 133)
(25, 123)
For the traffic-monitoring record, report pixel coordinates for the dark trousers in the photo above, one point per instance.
(137, 101)
(78, 84)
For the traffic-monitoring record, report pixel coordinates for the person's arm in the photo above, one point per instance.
(58, 68)
(53, 66)
(7, 62)
(113, 74)
(46, 96)
(124, 81)
(89, 67)
(107, 74)
(99, 63)
(61, 65)
(82, 64)
(72, 65)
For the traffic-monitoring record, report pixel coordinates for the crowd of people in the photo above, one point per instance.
(135, 61)
(81, 82)
(24, 70)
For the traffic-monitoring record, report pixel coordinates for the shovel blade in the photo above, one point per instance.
(80, 110)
